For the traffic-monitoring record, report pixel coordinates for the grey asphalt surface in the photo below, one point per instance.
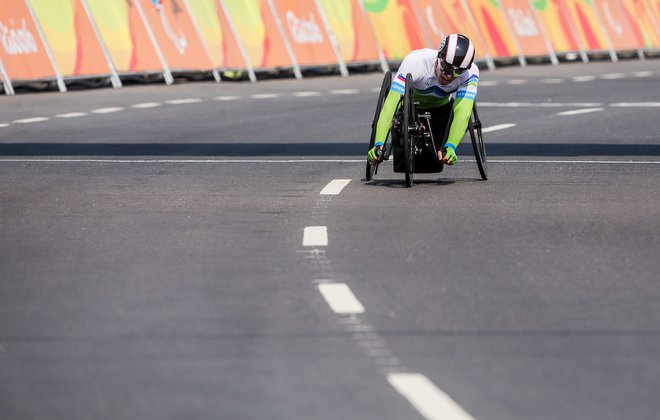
(152, 266)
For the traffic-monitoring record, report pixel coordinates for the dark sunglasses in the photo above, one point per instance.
(449, 69)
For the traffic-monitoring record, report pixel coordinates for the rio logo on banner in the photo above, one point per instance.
(17, 41)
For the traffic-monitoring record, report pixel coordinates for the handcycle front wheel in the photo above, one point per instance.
(408, 140)
(474, 127)
(384, 89)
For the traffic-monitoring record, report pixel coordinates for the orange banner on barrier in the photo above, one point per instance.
(440, 18)
(71, 37)
(526, 28)
(21, 49)
(493, 28)
(259, 33)
(306, 33)
(639, 12)
(623, 33)
(587, 25)
(554, 17)
(396, 26)
(351, 29)
(125, 36)
(176, 35)
(220, 40)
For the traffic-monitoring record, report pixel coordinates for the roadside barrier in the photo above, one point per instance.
(63, 41)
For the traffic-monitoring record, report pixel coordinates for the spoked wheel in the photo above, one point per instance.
(408, 140)
(384, 89)
(478, 142)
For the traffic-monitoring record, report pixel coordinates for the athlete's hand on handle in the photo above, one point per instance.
(373, 153)
(447, 155)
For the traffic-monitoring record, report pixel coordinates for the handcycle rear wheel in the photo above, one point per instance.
(384, 89)
(408, 140)
(474, 126)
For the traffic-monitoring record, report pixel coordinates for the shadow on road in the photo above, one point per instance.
(308, 149)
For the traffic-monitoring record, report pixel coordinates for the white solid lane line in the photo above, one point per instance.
(315, 236)
(108, 110)
(72, 115)
(340, 298)
(31, 120)
(265, 96)
(306, 94)
(497, 127)
(225, 98)
(335, 187)
(431, 402)
(146, 105)
(183, 101)
(580, 111)
(538, 104)
(636, 104)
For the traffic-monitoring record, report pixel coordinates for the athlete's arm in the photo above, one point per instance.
(462, 108)
(386, 115)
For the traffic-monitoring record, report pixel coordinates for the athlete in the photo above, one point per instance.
(438, 77)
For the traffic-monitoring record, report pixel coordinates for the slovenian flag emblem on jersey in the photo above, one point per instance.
(399, 84)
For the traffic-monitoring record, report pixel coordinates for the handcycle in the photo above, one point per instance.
(415, 149)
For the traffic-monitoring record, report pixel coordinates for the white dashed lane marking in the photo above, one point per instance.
(642, 74)
(146, 105)
(183, 101)
(344, 91)
(108, 110)
(306, 94)
(431, 402)
(31, 120)
(315, 236)
(72, 115)
(488, 83)
(612, 76)
(516, 82)
(265, 96)
(4, 125)
(335, 187)
(539, 104)
(226, 98)
(497, 127)
(340, 298)
(583, 78)
(552, 81)
(580, 111)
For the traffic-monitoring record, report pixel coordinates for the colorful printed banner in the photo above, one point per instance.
(638, 12)
(587, 25)
(259, 33)
(396, 26)
(351, 29)
(555, 19)
(71, 37)
(21, 49)
(439, 18)
(526, 28)
(488, 15)
(223, 47)
(306, 33)
(624, 34)
(125, 36)
(176, 35)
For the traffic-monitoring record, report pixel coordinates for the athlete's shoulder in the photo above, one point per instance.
(423, 55)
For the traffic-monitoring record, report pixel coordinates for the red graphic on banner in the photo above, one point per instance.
(496, 39)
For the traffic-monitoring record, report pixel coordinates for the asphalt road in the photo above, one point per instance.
(155, 261)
